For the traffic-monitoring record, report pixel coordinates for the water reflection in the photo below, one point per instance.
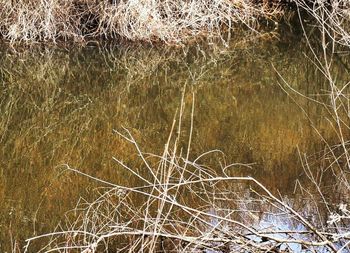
(60, 107)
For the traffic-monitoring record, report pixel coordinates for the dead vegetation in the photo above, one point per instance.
(170, 21)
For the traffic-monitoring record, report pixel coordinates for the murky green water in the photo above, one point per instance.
(60, 107)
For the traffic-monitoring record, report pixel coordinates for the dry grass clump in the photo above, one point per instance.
(171, 21)
(32, 21)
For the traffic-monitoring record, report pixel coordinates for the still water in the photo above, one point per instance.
(60, 107)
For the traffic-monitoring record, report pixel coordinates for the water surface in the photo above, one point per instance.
(60, 107)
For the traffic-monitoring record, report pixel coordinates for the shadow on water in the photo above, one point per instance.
(61, 107)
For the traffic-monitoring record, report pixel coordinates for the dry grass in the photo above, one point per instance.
(170, 21)
(332, 18)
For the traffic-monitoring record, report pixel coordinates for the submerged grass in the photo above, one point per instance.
(48, 121)
(181, 205)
